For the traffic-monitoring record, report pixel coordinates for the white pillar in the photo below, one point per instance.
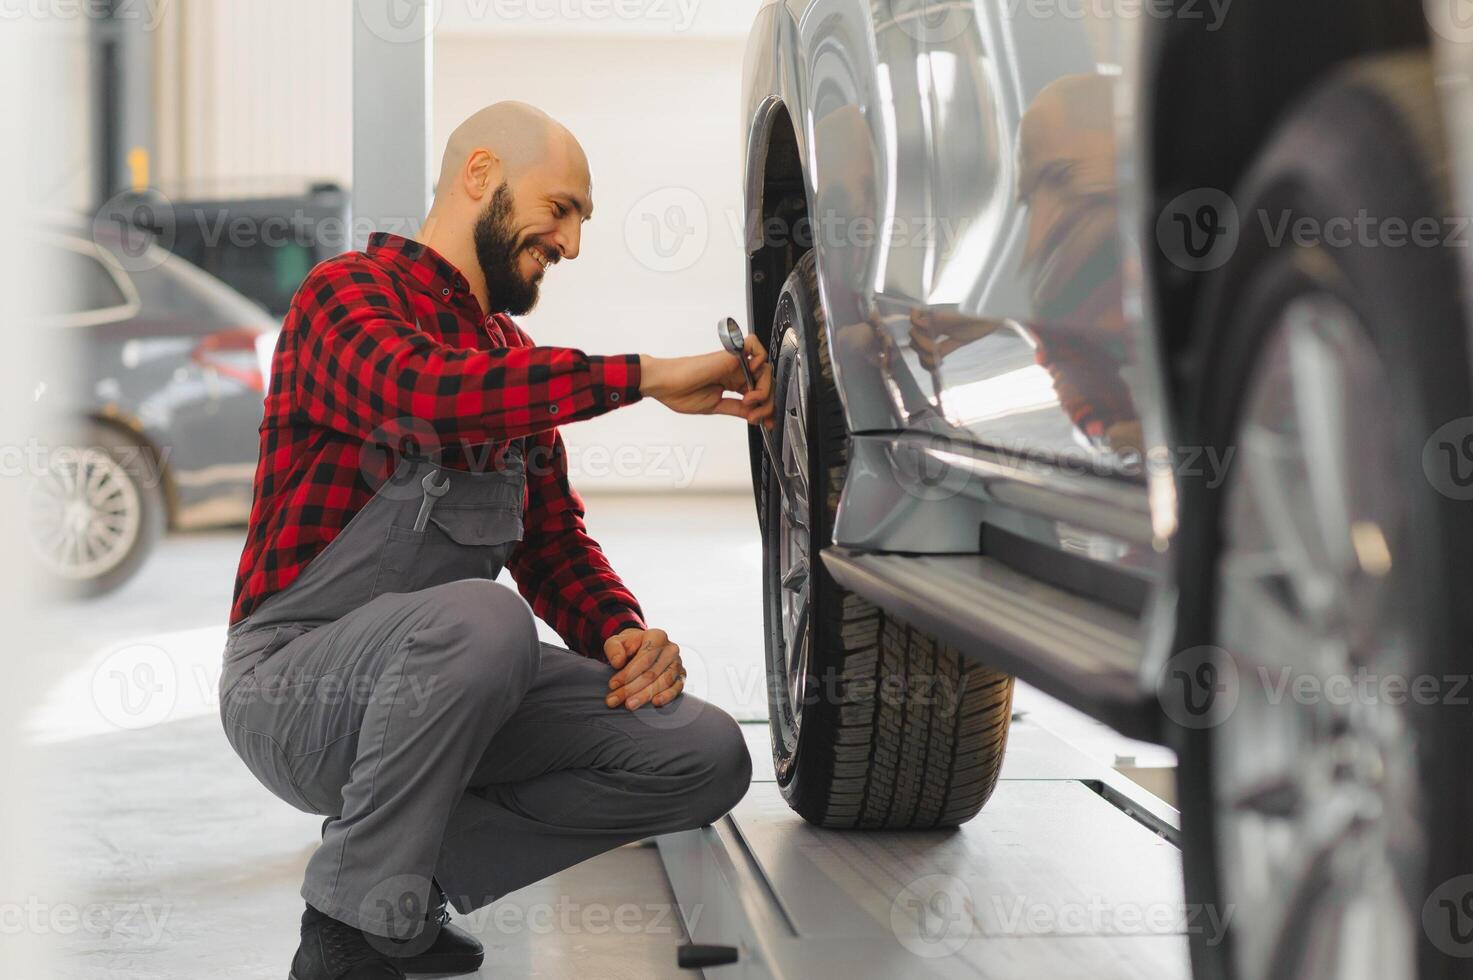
(392, 61)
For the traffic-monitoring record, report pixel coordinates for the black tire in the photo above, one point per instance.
(897, 730)
(1367, 139)
(137, 486)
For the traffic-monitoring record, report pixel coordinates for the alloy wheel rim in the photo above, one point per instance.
(794, 530)
(85, 512)
(1313, 768)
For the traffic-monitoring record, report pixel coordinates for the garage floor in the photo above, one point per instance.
(171, 862)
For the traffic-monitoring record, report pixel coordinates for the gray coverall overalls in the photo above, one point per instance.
(396, 688)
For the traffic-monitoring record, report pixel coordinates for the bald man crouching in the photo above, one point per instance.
(374, 672)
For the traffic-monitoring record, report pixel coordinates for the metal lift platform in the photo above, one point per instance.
(1071, 870)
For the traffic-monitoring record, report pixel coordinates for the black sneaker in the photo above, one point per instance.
(333, 950)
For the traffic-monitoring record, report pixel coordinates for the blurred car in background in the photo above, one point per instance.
(153, 417)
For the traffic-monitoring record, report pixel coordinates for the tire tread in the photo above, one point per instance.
(901, 762)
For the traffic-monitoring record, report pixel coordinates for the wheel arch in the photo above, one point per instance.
(776, 193)
(1212, 99)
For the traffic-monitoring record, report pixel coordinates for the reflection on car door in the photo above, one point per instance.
(1024, 333)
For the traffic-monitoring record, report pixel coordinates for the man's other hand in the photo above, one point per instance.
(699, 385)
(647, 669)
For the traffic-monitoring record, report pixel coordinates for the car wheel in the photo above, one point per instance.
(1323, 803)
(96, 510)
(874, 723)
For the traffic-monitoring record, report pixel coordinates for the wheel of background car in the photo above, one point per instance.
(874, 724)
(95, 510)
(1323, 806)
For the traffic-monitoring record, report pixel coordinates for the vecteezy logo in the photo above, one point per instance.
(1459, 917)
(1447, 459)
(667, 230)
(1198, 688)
(1198, 231)
(1456, 454)
(400, 904)
(400, 21)
(933, 916)
(921, 472)
(1451, 19)
(1447, 916)
(1208, 223)
(932, 21)
(138, 230)
(135, 687)
(385, 449)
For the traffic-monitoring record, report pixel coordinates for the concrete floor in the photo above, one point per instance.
(171, 862)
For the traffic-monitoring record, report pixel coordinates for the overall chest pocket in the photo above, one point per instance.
(461, 541)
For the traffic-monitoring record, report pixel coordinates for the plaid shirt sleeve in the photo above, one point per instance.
(559, 569)
(1093, 397)
(364, 362)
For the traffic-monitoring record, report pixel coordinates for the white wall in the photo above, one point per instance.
(657, 117)
(262, 89)
(253, 91)
(59, 163)
(670, 19)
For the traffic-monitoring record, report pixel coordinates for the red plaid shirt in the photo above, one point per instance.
(393, 338)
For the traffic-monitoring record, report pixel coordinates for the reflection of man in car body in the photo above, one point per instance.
(1067, 180)
(1072, 256)
(375, 673)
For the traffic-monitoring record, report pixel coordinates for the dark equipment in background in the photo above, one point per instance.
(262, 245)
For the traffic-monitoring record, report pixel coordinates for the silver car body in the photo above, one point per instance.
(991, 163)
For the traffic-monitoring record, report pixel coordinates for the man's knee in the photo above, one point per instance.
(487, 635)
(725, 762)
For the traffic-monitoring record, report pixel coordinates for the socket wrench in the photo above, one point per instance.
(732, 339)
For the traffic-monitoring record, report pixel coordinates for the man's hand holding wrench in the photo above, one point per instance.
(698, 385)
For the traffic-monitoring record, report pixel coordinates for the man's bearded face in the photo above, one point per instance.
(499, 252)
